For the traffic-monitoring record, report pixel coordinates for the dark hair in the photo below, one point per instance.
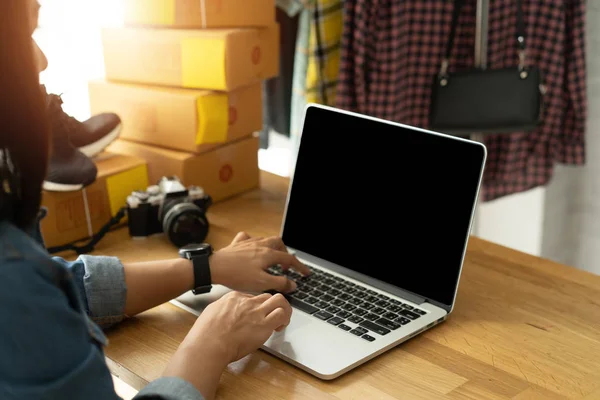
(24, 131)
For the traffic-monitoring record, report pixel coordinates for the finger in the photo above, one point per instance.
(278, 319)
(261, 298)
(280, 283)
(287, 260)
(274, 243)
(240, 237)
(276, 301)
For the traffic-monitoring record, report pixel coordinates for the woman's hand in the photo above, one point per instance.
(228, 329)
(242, 265)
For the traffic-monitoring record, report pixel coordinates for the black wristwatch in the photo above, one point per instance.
(199, 254)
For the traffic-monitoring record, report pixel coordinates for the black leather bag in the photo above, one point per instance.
(487, 100)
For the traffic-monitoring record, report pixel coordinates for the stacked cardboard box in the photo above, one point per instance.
(78, 215)
(186, 78)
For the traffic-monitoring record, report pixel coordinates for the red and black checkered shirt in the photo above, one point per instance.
(392, 49)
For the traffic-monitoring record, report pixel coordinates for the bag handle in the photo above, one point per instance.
(458, 4)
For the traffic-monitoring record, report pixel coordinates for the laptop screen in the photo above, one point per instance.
(389, 202)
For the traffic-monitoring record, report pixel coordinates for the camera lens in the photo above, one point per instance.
(185, 223)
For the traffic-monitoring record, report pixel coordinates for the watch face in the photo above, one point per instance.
(200, 248)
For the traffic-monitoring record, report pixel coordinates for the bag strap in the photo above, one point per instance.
(458, 4)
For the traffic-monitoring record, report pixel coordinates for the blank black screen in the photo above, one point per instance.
(386, 201)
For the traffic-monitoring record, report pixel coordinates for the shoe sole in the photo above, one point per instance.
(93, 149)
(60, 187)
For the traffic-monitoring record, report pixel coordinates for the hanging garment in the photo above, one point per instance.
(277, 92)
(323, 68)
(299, 99)
(392, 50)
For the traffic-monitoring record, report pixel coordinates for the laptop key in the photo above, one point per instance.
(367, 306)
(372, 292)
(335, 321)
(360, 312)
(338, 302)
(382, 303)
(311, 300)
(402, 320)
(344, 314)
(395, 302)
(333, 309)
(409, 314)
(383, 297)
(392, 308)
(375, 328)
(372, 317)
(389, 315)
(321, 304)
(344, 327)
(360, 294)
(350, 290)
(324, 315)
(368, 338)
(407, 307)
(355, 319)
(372, 299)
(307, 308)
(348, 307)
(378, 310)
(316, 293)
(418, 311)
(345, 296)
(355, 301)
(333, 292)
(300, 295)
(386, 323)
(327, 297)
(359, 331)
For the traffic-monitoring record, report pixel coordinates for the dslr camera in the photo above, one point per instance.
(171, 208)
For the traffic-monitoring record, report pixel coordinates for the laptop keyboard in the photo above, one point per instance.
(351, 307)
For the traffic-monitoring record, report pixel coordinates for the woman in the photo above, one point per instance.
(49, 346)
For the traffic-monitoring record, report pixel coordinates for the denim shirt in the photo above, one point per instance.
(50, 344)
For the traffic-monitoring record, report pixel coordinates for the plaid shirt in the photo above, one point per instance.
(322, 73)
(391, 51)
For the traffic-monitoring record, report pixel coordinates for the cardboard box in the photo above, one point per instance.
(182, 119)
(223, 172)
(73, 216)
(215, 59)
(199, 14)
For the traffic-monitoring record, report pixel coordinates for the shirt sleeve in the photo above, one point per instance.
(575, 73)
(169, 388)
(100, 282)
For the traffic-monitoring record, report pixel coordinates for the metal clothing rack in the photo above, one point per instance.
(481, 46)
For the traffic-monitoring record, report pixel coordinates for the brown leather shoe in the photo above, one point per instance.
(68, 168)
(92, 136)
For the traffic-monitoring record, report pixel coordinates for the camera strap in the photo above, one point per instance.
(89, 246)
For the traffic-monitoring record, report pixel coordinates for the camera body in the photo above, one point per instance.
(171, 208)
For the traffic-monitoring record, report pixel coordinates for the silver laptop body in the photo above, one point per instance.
(316, 341)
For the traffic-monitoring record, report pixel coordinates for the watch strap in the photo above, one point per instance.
(202, 278)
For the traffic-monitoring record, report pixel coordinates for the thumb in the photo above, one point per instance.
(281, 284)
(240, 237)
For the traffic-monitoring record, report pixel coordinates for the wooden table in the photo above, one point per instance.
(523, 328)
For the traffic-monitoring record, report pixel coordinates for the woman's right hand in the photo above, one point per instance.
(226, 331)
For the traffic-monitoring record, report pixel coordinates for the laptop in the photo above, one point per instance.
(381, 213)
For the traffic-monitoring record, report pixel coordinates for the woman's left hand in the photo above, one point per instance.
(242, 265)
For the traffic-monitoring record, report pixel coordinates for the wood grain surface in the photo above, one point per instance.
(523, 328)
